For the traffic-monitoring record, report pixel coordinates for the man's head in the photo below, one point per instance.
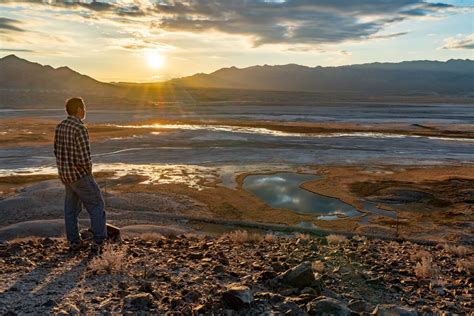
(76, 107)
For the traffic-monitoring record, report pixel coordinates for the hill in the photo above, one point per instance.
(18, 73)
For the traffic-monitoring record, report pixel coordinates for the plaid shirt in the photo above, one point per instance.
(72, 150)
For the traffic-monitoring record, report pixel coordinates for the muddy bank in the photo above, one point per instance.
(436, 202)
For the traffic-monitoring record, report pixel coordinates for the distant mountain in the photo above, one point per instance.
(450, 77)
(18, 73)
(24, 83)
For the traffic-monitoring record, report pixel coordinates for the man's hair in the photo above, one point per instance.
(73, 105)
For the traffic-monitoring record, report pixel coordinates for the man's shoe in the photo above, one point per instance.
(97, 248)
(77, 246)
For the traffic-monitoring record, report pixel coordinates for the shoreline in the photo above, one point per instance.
(238, 204)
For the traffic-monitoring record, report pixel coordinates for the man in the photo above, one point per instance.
(73, 159)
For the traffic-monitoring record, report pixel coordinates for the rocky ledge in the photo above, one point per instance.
(237, 274)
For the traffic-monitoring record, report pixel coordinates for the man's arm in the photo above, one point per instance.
(55, 145)
(83, 149)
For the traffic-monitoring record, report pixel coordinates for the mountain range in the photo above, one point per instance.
(452, 76)
(431, 78)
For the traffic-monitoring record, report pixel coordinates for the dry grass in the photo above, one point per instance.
(426, 269)
(418, 255)
(33, 239)
(110, 261)
(459, 251)
(243, 236)
(466, 265)
(303, 236)
(360, 238)
(337, 239)
(270, 238)
(151, 236)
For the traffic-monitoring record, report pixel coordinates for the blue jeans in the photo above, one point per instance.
(84, 191)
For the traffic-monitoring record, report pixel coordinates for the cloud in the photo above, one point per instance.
(7, 24)
(16, 50)
(459, 42)
(293, 22)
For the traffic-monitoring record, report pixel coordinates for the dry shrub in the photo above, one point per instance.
(426, 269)
(270, 238)
(303, 236)
(151, 236)
(33, 239)
(243, 236)
(466, 265)
(337, 239)
(393, 245)
(110, 261)
(359, 238)
(459, 251)
(419, 255)
(318, 266)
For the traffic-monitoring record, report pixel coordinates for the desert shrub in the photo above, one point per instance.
(151, 236)
(270, 237)
(418, 255)
(337, 239)
(426, 269)
(110, 261)
(243, 236)
(33, 239)
(359, 238)
(466, 265)
(459, 251)
(303, 236)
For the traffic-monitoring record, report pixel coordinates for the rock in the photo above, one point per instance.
(300, 276)
(200, 309)
(291, 308)
(360, 306)
(391, 310)
(140, 300)
(195, 255)
(71, 309)
(218, 269)
(107, 304)
(327, 306)
(279, 267)
(146, 287)
(237, 296)
(191, 297)
(267, 275)
(49, 303)
(47, 242)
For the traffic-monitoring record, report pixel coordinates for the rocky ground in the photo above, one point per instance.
(237, 273)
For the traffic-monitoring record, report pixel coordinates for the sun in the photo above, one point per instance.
(155, 60)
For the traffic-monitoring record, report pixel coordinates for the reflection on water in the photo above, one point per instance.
(282, 190)
(270, 132)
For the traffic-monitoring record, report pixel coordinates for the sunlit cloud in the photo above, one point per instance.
(459, 42)
(202, 36)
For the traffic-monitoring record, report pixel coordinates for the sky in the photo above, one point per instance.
(156, 40)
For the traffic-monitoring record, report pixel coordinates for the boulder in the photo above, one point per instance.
(300, 276)
(140, 301)
(237, 296)
(394, 310)
(327, 306)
